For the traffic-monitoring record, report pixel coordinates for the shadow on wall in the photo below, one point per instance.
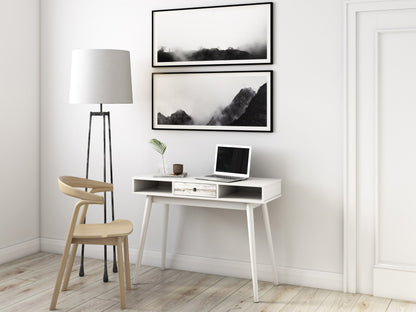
(275, 160)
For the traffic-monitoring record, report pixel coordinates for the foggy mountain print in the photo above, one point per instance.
(256, 113)
(234, 110)
(229, 34)
(248, 108)
(177, 118)
(213, 54)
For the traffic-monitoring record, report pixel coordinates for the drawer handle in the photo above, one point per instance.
(194, 189)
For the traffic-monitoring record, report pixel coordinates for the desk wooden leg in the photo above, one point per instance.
(252, 244)
(165, 237)
(270, 242)
(146, 217)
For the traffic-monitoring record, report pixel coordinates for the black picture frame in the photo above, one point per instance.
(239, 101)
(240, 34)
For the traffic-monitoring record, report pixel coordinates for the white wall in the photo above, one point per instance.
(305, 149)
(19, 125)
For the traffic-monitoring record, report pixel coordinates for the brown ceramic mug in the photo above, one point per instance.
(177, 168)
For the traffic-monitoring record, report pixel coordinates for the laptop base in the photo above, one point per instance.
(217, 178)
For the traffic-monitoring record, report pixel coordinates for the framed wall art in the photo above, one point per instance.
(225, 101)
(217, 35)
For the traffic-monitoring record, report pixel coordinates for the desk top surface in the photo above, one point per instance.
(252, 181)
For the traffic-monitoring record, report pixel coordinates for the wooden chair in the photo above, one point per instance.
(114, 233)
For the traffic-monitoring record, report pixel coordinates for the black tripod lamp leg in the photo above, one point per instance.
(105, 276)
(115, 270)
(81, 267)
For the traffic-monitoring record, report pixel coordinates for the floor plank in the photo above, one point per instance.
(14, 268)
(159, 294)
(401, 306)
(151, 281)
(371, 303)
(275, 299)
(176, 294)
(94, 305)
(209, 298)
(241, 299)
(338, 302)
(11, 289)
(307, 300)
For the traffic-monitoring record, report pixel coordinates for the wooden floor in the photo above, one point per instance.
(26, 285)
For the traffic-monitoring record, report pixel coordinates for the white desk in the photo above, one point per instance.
(242, 195)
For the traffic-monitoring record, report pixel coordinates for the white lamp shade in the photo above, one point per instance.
(100, 76)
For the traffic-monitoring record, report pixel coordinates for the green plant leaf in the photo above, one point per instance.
(158, 146)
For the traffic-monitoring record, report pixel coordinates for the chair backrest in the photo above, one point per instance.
(72, 186)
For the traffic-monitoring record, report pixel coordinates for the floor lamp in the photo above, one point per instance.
(101, 76)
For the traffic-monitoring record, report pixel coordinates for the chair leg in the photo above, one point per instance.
(121, 272)
(127, 262)
(60, 276)
(69, 267)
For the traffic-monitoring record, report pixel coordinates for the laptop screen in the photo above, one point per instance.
(232, 159)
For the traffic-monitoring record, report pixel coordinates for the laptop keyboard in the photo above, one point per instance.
(221, 177)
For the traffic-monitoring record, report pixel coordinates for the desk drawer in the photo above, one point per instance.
(195, 189)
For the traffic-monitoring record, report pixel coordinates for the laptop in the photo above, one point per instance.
(232, 163)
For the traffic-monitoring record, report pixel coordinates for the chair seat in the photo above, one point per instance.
(117, 228)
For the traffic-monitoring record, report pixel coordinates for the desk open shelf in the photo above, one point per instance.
(144, 185)
(236, 192)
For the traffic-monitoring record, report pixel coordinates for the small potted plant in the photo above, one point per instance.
(159, 147)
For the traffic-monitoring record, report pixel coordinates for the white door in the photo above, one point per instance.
(381, 147)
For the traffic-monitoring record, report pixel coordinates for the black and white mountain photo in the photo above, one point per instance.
(235, 101)
(236, 34)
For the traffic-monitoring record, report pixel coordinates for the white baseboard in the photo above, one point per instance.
(241, 269)
(19, 250)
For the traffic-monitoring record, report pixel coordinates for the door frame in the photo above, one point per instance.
(352, 8)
